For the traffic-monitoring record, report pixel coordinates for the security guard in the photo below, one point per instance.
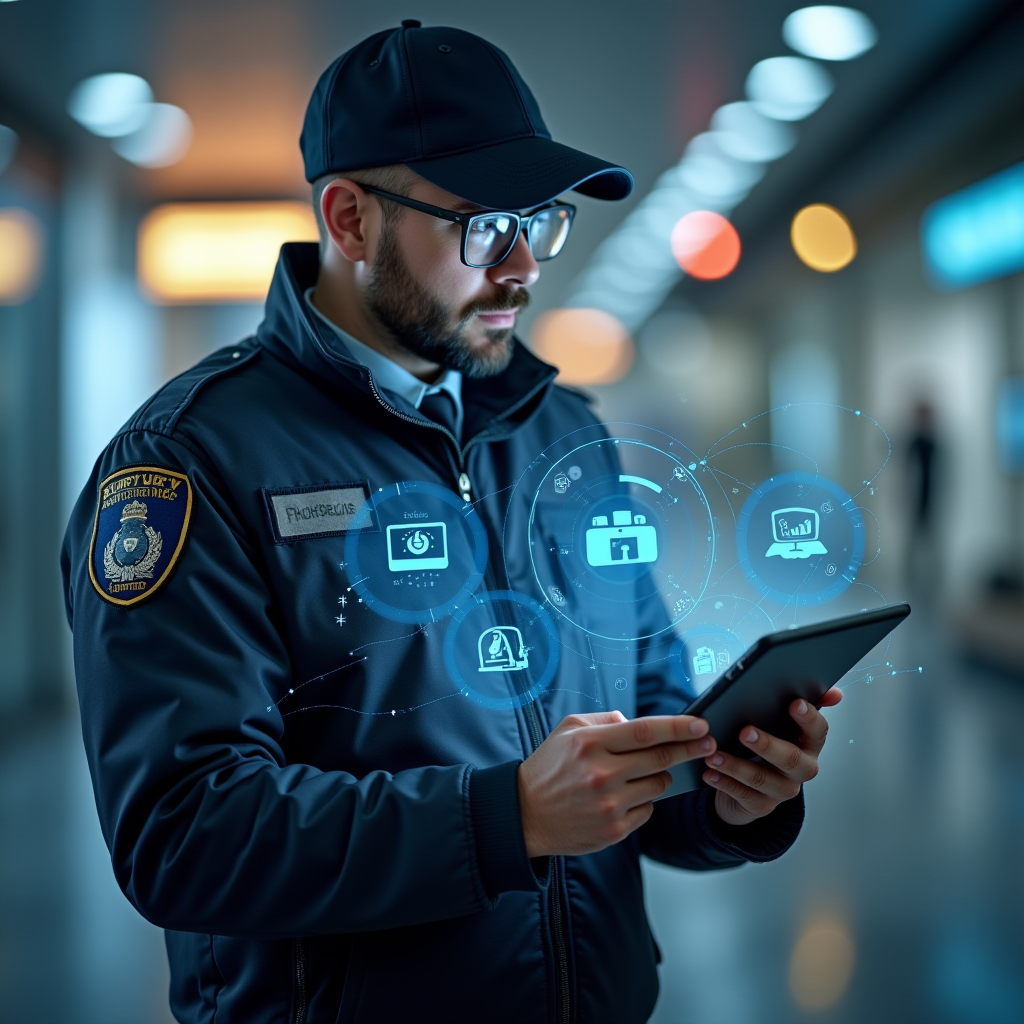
(286, 777)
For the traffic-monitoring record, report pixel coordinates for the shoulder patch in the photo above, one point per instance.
(142, 518)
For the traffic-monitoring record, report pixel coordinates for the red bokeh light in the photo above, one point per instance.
(705, 245)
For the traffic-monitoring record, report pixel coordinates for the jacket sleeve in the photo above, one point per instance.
(684, 830)
(208, 826)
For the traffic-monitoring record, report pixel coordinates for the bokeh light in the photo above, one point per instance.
(705, 245)
(788, 88)
(217, 252)
(822, 238)
(829, 33)
(21, 255)
(589, 346)
(821, 964)
(111, 105)
(744, 133)
(162, 140)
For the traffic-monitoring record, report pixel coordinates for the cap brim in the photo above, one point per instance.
(523, 173)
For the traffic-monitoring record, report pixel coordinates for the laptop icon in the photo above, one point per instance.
(795, 532)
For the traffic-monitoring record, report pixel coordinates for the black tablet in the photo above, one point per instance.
(758, 689)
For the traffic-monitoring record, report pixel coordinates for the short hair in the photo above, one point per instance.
(395, 178)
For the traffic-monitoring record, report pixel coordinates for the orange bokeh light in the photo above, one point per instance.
(705, 245)
(589, 346)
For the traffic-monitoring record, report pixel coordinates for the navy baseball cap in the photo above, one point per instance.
(452, 108)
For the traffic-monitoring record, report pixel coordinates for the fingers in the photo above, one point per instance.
(591, 718)
(761, 778)
(831, 698)
(755, 803)
(812, 722)
(791, 760)
(636, 764)
(650, 731)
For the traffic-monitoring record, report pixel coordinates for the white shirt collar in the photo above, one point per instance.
(389, 376)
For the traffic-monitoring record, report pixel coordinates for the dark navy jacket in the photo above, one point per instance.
(312, 861)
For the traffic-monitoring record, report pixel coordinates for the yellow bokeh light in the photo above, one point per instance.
(822, 238)
(589, 346)
(217, 252)
(21, 255)
(821, 964)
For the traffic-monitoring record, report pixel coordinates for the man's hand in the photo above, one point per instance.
(752, 789)
(593, 779)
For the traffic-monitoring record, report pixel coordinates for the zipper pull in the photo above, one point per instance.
(465, 488)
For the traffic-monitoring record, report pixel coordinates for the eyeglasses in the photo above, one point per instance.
(487, 238)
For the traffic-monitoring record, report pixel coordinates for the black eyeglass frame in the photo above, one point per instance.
(465, 220)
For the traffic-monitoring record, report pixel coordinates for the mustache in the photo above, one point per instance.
(510, 299)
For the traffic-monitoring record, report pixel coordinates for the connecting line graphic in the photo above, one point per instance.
(389, 640)
(372, 714)
(317, 679)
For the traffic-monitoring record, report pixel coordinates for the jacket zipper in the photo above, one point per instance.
(300, 982)
(533, 724)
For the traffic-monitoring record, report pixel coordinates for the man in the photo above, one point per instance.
(283, 782)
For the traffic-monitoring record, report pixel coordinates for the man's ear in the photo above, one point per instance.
(352, 219)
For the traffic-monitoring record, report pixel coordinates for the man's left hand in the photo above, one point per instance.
(752, 789)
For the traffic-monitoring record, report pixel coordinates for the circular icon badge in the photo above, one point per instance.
(614, 522)
(414, 551)
(724, 626)
(501, 649)
(800, 539)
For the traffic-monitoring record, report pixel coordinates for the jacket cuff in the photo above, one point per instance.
(760, 841)
(498, 829)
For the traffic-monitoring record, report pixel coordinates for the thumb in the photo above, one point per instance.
(592, 718)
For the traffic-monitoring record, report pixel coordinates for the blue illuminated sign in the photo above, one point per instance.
(976, 234)
(1010, 424)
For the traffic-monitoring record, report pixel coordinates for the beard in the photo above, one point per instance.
(424, 325)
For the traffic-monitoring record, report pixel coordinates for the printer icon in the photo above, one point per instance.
(627, 540)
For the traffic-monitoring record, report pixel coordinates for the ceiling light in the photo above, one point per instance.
(822, 238)
(744, 133)
(21, 255)
(217, 252)
(111, 105)
(788, 88)
(163, 138)
(8, 144)
(829, 33)
(705, 245)
(589, 346)
(707, 170)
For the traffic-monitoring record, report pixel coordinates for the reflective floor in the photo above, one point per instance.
(903, 900)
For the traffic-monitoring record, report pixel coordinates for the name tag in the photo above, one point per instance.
(318, 511)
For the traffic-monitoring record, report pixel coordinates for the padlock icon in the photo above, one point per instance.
(627, 540)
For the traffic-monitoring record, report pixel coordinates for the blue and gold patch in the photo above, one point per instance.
(142, 519)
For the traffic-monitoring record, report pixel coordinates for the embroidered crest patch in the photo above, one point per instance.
(142, 518)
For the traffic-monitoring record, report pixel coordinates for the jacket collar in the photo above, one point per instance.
(293, 334)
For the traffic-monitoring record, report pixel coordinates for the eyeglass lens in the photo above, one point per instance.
(491, 236)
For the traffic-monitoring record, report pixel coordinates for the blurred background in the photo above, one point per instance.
(829, 209)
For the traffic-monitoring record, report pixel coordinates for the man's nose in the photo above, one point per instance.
(518, 267)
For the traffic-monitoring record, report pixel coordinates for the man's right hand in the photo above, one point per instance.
(593, 780)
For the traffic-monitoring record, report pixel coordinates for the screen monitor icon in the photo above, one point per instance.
(795, 534)
(627, 539)
(419, 546)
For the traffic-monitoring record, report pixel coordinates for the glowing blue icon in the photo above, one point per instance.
(501, 649)
(627, 540)
(795, 532)
(561, 483)
(419, 547)
(707, 661)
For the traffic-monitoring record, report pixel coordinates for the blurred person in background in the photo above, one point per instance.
(923, 459)
(313, 855)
